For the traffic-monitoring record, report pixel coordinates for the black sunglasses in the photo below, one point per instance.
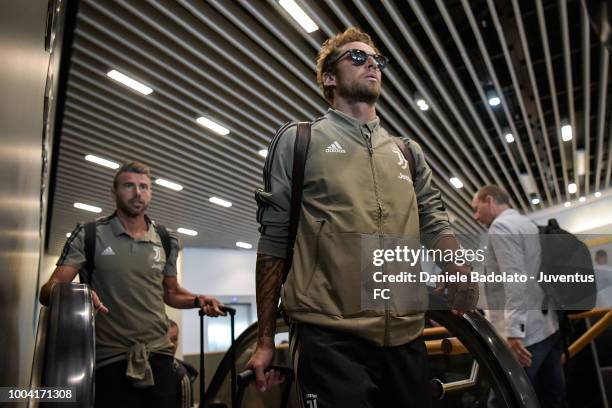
(360, 57)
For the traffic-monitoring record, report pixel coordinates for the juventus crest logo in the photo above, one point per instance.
(403, 163)
(157, 256)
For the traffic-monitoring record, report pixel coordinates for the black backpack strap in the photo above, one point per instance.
(164, 236)
(300, 150)
(90, 251)
(408, 156)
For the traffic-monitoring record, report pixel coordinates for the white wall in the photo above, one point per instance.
(216, 272)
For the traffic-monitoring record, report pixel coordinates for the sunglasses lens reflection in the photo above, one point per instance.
(360, 57)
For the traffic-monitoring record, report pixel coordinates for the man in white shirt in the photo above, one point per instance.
(516, 309)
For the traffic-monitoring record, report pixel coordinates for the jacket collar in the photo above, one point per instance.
(342, 118)
(118, 228)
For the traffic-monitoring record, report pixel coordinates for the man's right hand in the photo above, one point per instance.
(97, 303)
(260, 360)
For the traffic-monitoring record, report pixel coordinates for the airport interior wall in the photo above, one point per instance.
(23, 71)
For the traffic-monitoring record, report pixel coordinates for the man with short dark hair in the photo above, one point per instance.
(131, 280)
(345, 354)
(513, 247)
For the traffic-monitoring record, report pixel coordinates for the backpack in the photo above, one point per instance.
(563, 254)
(90, 248)
(300, 151)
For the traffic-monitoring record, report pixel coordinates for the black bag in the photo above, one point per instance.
(563, 254)
(90, 248)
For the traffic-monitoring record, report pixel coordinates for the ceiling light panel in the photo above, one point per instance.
(214, 126)
(102, 162)
(129, 82)
(87, 207)
(187, 231)
(220, 201)
(168, 184)
(299, 15)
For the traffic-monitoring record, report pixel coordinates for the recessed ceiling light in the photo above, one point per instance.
(299, 15)
(263, 152)
(422, 104)
(494, 101)
(102, 162)
(567, 204)
(582, 199)
(87, 207)
(566, 133)
(187, 231)
(571, 188)
(535, 201)
(456, 182)
(244, 245)
(509, 137)
(129, 82)
(214, 126)
(168, 184)
(598, 194)
(220, 201)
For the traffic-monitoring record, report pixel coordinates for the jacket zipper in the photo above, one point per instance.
(380, 233)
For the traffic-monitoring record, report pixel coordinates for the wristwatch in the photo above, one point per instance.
(196, 302)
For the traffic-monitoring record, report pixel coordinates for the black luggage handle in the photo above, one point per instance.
(247, 376)
(232, 313)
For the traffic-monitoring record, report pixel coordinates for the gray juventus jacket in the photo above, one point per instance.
(357, 187)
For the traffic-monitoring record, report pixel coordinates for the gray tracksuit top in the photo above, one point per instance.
(357, 186)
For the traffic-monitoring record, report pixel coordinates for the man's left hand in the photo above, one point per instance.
(211, 306)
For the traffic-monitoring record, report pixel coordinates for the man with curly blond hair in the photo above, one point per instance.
(347, 352)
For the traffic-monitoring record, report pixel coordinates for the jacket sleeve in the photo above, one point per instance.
(433, 219)
(510, 259)
(274, 199)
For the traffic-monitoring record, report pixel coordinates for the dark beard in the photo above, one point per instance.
(127, 210)
(358, 93)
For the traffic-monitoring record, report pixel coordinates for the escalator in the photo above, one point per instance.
(468, 362)
(64, 353)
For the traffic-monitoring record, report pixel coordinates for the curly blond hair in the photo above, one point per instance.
(329, 51)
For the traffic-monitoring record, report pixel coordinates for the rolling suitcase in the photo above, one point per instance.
(232, 313)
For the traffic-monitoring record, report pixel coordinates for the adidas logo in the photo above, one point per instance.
(108, 251)
(335, 148)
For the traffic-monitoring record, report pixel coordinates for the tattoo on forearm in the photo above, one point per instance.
(269, 276)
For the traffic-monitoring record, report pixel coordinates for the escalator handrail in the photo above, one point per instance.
(472, 329)
(69, 342)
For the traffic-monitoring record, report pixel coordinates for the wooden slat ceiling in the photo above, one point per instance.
(247, 65)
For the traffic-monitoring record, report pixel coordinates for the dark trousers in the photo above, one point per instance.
(546, 371)
(335, 369)
(115, 390)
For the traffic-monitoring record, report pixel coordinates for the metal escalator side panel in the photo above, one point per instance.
(70, 349)
(38, 359)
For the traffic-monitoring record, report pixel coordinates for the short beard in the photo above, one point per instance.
(358, 93)
(129, 211)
